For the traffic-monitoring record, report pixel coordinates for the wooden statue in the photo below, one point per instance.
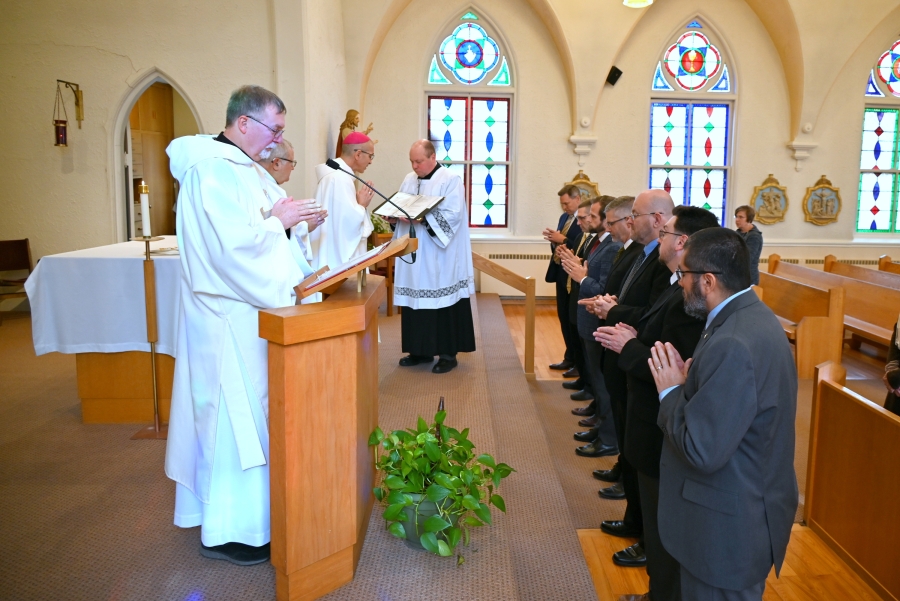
(351, 122)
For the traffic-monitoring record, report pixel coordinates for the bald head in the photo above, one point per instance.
(652, 209)
(422, 157)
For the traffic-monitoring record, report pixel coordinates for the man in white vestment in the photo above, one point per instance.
(235, 261)
(343, 236)
(279, 166)
(434, 292)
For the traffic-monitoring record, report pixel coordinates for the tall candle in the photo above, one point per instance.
(145, 208)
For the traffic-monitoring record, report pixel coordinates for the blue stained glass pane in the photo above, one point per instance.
(448, 141)
(488, 184)
(659, 82)
(489, 142)
(877, 150)
(447, 127)
(879, 139)
(876, 190)
(873, 226)
(488, 195)
(487, 220)
(490, 130)
(448, 102)
(490, 105)
(694, 25)
(872, 88)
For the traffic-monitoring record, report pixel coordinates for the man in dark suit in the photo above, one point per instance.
(728, 492)
(665, 321)
(645, 282)
(567, 233)
(591, 276)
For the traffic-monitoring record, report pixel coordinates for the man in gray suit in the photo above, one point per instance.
(728, 492)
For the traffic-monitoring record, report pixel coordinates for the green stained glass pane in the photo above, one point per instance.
(709, 127)
(707, 165)
(469, 16)
(488, 204)
(707, 206)
(435, 76)
(669, 127)
(447, 120)
(502, 78)
(490, 121)
(447, 158)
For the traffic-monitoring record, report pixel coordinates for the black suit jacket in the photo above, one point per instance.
(649, 283)
(617, 275)
(666, 321)
(555, 272)
(576, 287)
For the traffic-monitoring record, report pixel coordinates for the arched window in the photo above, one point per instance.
(469, 90)
(878, 157)
(690, 121)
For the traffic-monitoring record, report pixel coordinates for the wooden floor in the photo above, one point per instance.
(812, 571)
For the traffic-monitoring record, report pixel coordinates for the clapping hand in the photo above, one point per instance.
(615, 337)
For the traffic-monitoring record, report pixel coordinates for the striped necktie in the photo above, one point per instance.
(618, 255)
(632, 273)
(584, 237)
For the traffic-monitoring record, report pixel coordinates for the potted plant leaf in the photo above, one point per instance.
(434, 487)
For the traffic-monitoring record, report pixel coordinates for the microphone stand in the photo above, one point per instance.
(412, 228)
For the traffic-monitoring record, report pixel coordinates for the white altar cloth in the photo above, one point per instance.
(92, 300)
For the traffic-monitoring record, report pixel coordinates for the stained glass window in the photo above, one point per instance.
(888, 69)
(878, 166)
(693, 63)
(471, 137)
(470, 56)
(689, 153)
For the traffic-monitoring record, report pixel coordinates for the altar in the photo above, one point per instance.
(90, 303)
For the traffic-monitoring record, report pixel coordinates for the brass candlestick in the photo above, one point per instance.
(156, 431)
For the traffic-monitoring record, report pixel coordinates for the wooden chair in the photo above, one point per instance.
(384, 268)
(15, 255)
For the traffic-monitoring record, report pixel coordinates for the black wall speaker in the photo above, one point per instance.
(614, 74)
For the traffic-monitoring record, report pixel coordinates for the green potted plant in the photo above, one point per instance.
(434, 486)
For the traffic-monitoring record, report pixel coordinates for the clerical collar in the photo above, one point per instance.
(221, 138)
(436, 167)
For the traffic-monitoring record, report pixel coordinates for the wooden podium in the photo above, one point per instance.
(323, 404)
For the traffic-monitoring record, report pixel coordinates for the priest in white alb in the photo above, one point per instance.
(345, 232)
(235, 260)
(436, 318)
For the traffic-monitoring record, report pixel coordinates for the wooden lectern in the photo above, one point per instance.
(323, 403)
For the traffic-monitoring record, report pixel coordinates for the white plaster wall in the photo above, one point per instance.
(62, 198)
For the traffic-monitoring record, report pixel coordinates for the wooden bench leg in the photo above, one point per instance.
(854, 342)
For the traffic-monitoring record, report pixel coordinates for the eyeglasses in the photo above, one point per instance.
(293, 163)
(371, 154)
(662, 234)
(275, 132)
(679, 272)
(609, 223)
(636, 215)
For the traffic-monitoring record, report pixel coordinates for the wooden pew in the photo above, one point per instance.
(811, 317)
(870, 310)
(885, 264)
(851, 480)
(873, 276)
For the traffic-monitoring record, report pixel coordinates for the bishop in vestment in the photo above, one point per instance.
(235, 261)
(434, 292)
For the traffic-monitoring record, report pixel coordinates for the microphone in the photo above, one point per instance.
(412, 228)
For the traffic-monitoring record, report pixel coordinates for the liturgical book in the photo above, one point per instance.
(416, 205)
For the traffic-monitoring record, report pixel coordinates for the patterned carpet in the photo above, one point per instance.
(87, 512)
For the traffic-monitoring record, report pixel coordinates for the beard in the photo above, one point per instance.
(694, 301)
(267, 151)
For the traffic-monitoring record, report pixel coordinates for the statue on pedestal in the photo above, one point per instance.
(351, 122)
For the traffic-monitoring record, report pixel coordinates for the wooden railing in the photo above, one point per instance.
(851, 481)
(522, 284)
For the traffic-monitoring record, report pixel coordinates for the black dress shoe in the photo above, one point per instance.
(562, 365)
(620, 528)
(610, 475)
(572, 373)
(596, 449)
(583, 411)
(237, 553)
(631, 557)
(444, 365)
(586, 436)
(615, 492)
(589, 422)
(410, 360)
(573, 385)
(581, 395)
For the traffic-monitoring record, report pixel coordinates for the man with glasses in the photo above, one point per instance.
(727, 490)
(665, 321)
(279, 166)
(344, 235)
(645, 282)
(235, 260)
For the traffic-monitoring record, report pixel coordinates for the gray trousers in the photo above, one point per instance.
(663, 569)
(593, 352)
(697, 590)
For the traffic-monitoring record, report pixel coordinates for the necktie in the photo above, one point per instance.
(618, 255)
(632, 273)
(584, 237)
(593, 247)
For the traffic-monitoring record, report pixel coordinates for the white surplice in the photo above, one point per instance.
(344, 233)
(234, 263)
(300, 232)
(443, 272)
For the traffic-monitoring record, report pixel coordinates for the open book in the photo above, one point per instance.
(326, 274)
(414, 204)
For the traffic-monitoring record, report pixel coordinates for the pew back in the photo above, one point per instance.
(873, 276)
(885, 264)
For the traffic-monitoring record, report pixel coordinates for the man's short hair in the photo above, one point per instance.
(748, 211)
(428, 147)
(280, 151)
(251, 101)
(622, 203)
(721, 251)
(586, 203)
(690, 220)
(604, 200)
(571, 191)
